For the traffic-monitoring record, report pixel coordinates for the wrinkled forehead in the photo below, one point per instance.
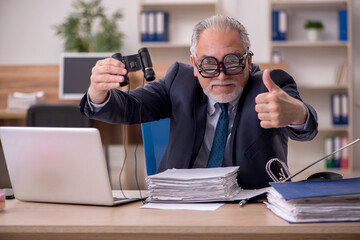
(218, 43)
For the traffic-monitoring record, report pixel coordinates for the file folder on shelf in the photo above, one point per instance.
(144, 26)
(154, 26)
(344, 161)
(343, 28)
(339, 108)
(328, 146)
(339, 159)
(336, 156)
(279, 25)
(344, 108)
(161, 29)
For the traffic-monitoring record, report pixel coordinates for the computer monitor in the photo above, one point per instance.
(75, 71)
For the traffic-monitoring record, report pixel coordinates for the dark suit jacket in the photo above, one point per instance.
(179, 96)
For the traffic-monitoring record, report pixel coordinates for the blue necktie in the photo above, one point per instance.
(218, 147)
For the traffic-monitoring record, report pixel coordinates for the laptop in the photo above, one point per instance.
(59, 165)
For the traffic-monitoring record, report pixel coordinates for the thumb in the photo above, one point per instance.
(268, 82)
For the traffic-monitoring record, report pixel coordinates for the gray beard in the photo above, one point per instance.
(224, 98)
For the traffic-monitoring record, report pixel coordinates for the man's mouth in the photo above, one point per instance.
(221, 84)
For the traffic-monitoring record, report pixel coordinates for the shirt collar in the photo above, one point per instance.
(232, 105)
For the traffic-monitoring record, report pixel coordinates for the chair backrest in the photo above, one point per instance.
(56, 115)
(155, 139)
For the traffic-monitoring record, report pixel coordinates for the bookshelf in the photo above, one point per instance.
(315, 66)
(182, 17)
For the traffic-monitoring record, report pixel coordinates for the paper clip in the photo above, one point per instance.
(284, 174)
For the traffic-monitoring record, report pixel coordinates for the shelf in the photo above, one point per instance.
(165, 45)
(310, 4)
(316, 66)
(322, 87)
(178, 2)
(316, 44)
(183, 15)
(333, 128)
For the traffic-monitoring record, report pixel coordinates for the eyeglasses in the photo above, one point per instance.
(232, 64)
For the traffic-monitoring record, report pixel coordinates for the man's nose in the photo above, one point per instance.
(222, 75)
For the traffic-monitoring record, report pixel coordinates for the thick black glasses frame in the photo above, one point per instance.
(221, 67)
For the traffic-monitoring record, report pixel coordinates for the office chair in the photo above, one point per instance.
(155, 139)
(56, 115)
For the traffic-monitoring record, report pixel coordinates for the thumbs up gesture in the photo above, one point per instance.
(276, 108)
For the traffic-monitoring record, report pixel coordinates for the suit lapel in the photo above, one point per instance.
(200, 108)
(237, 119)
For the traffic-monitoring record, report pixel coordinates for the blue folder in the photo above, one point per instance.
(275, 25)
(309, 189)
(343, 28)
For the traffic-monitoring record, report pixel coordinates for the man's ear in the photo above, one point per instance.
(249, 61)
(193, 64)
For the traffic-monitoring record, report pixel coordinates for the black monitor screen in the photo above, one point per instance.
(75, 71)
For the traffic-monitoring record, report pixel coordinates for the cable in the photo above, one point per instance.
(124, 142)
(136, 146)
(137, 142)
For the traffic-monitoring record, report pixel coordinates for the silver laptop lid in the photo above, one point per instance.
(63, 165)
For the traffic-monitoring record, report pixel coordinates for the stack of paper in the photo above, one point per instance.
(20, 102)
(316, 201)
(194, 185)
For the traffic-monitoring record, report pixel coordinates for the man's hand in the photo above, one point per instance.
(105, 76)
(276, 108)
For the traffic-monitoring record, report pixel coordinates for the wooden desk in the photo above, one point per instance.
(24, 220)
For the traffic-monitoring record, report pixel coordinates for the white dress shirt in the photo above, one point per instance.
(213, 114)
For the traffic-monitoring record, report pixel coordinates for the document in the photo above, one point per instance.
(20, 102)
(316, 201)
(198, 185)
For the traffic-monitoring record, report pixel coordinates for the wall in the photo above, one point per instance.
(27, 36)
(250, 14)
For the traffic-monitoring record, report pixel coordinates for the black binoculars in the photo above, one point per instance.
(136, 62)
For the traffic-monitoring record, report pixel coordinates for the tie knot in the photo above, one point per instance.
(223, 106)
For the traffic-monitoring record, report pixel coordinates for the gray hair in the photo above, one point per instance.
(218, 22)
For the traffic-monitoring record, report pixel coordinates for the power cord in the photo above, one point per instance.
(137, 142)
(136, 146)
(125, 143)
